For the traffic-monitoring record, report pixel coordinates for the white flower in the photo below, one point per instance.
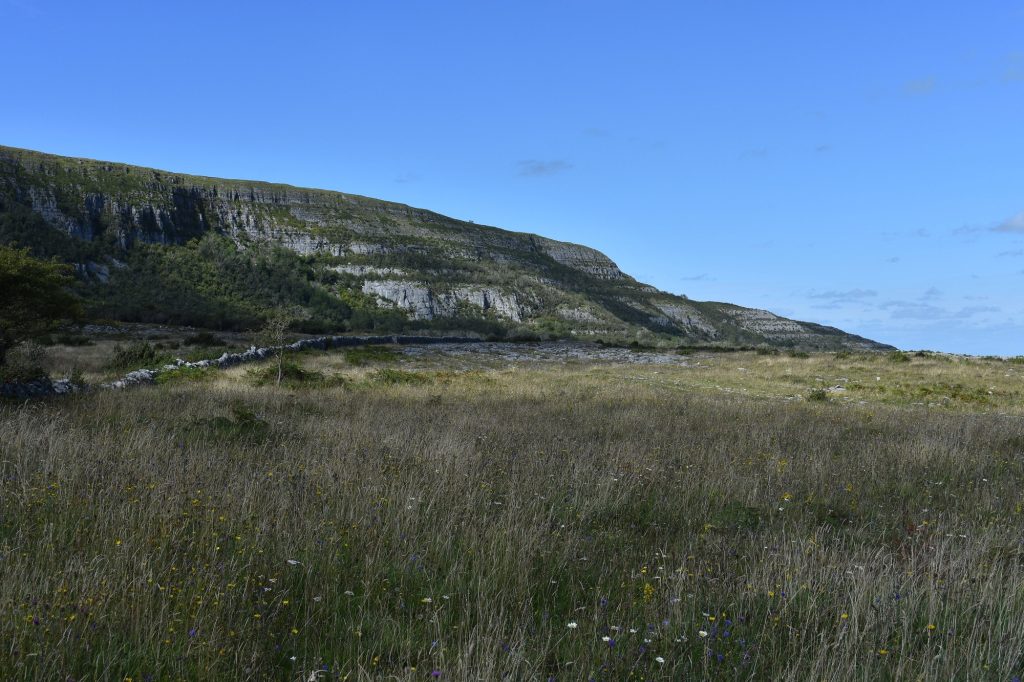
(703, 633)
(572, 625)
(606, 638)
(293, 562)
(427, 600)
(659, 659)
(350, 593)
(632, 631)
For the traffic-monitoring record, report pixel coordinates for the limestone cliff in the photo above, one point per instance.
(371, 254)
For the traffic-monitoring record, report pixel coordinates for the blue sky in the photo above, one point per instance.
(854, 164)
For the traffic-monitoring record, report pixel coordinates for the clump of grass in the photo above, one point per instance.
(364, 355)
(801, 354)
(398, 376)
(242, 426)
(898, 356)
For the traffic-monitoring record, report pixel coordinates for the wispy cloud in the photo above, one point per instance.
(1014, 223)
(913, 310)
(922, 86)
(931, 294)
(849, 295)
(1014, 68)
(406, 178)
(755, 153)
(532, 168)
(894, 259)
(1014, 253)
(822, 148)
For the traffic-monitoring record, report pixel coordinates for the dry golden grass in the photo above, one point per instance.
(456, 523)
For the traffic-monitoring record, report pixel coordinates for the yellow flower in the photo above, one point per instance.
(844, 616)
(883, 652)
(295, 631)
(931, 626)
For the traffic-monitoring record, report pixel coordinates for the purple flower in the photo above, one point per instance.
(193, 632)
(435, 673)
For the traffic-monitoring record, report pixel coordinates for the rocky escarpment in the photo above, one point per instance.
(426, 303)
(371, 257)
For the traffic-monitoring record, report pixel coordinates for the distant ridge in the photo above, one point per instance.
(151, 245)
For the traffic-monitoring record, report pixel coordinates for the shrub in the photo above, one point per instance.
(367, 354)
(818, 395)
(291, 374)
(184, 374)
(798, 354)
(136, 355)
(205, 339)
(898, 356)
(24, 363)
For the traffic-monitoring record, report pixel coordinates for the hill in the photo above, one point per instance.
(155, 246)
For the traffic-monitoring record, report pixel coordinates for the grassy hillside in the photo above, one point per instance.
(409, 517)
(154, 246)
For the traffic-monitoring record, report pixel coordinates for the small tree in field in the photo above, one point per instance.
(33, 297)
(275, 332)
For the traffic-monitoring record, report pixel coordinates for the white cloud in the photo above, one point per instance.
(1014, 223)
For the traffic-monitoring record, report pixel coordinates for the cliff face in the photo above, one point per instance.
(420, 265)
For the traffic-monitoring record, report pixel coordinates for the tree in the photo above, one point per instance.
(33, 297)
(275, 331)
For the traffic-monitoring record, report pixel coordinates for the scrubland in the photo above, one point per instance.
(378, 517)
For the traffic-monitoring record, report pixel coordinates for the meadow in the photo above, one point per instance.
(383, 516)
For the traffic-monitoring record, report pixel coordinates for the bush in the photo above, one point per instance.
(898, 356)
(798, 354)
(24, 363)
(818, 395)
(204, 339)
(136, 355)
(367, 354)
(184, 374)
(71, 339)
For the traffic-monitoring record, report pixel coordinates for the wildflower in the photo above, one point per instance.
(786, 497)
(702, 633)
(572, 625)
(293, 562)
(883, 652)
(844, 616)
(350, 593)
(427, 600)
(931, 626)
(435, 673)
(606, 638)
(659, 659)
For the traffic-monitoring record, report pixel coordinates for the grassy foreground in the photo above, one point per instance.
(584, 522)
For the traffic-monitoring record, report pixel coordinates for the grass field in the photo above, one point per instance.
(381, 517)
